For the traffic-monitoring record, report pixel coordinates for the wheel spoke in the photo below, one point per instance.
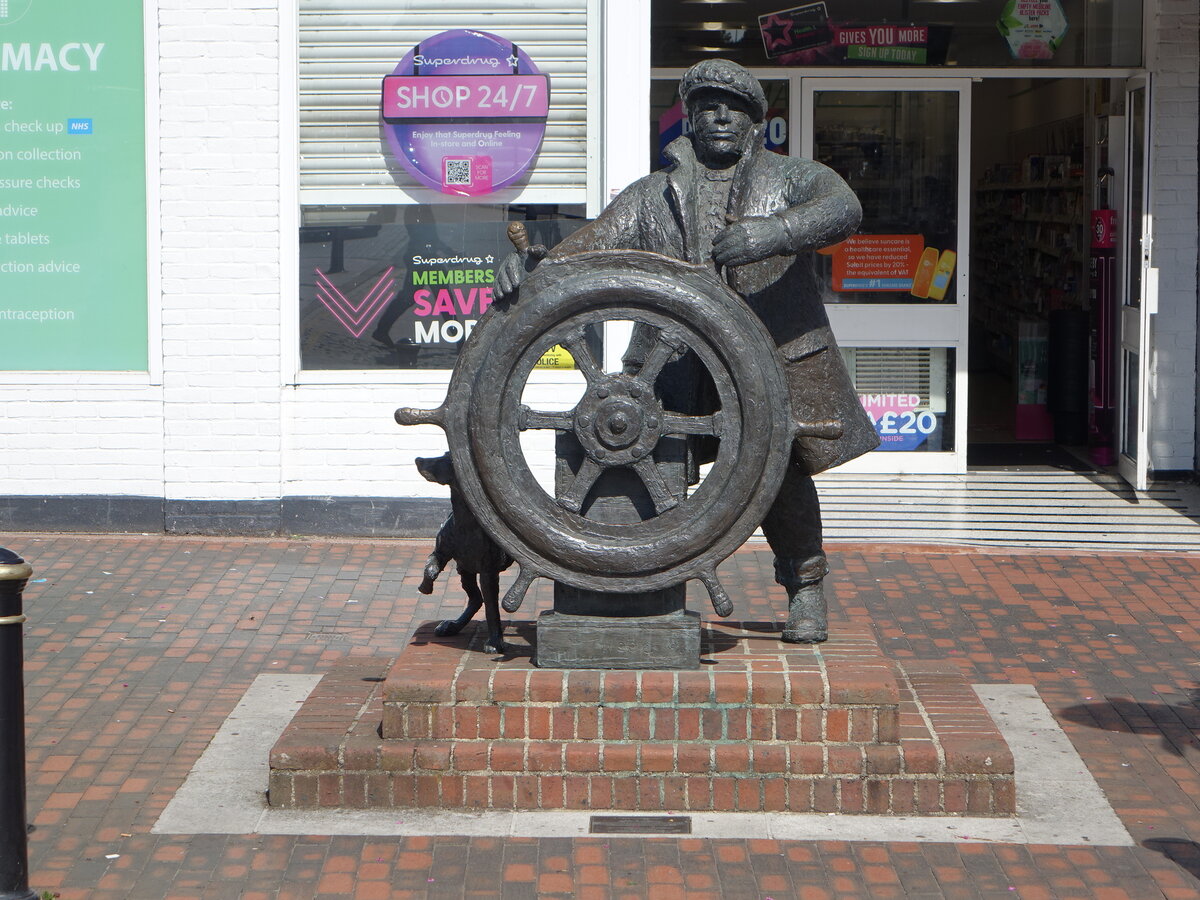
(582, 354)
(560, 420)
(655, 484)
(665, 347)
(572, 499)
(676, 423)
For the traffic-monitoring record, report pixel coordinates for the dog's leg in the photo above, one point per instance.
(443, 552)
(433, 568)
(490, 590)
(474, 601)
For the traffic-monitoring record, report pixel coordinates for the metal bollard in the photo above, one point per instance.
(14, 847)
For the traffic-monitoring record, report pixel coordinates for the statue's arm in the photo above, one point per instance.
(825, 212)
(614, 229)
(829, 214)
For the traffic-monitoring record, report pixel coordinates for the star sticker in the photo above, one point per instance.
(777, 32)
(513, 62)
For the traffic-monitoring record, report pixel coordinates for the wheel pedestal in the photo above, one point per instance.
(567, 641)
(603, 630)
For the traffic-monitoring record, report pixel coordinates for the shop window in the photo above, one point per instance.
(908, 393)
(400, 287)
(668, 117)
(898, 151)
(424, 128)
(347, 48)
(866, 33)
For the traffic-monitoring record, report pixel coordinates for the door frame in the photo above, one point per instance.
(932, 325)
(1135, 313)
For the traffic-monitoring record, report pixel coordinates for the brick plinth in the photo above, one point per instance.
(763, 726)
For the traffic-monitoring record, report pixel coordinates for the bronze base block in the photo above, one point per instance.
(671, 641)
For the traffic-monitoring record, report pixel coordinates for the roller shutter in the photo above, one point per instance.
(900, 370)
(347, 47)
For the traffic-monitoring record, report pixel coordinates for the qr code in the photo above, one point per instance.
(458, 171)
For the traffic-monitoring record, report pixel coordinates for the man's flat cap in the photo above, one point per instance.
(724, 75)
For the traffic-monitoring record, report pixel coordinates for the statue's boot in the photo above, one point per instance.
(808, 614)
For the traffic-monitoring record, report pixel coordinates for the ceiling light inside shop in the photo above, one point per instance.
(731, 32)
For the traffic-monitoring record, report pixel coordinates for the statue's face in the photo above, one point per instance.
(720, 122)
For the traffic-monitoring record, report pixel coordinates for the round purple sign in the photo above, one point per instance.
(465, 112)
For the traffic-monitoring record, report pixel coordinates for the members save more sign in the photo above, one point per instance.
(465, 112)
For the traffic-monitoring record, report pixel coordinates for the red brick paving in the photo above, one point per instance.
(139, 647)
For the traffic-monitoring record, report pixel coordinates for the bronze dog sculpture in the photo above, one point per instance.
(480, 561)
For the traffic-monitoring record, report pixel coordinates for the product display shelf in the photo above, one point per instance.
(1029, 256)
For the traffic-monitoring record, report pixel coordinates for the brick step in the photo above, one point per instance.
(948, 758)
(843, 691)
(744, 666)
(928, 795)
(808, 724)
(433, 757)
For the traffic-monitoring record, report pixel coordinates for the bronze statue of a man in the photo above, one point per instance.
(754, 216)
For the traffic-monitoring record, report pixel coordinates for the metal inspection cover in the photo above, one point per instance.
(640, 825)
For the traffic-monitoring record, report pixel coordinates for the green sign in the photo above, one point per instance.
(910, 55)
(72, 186)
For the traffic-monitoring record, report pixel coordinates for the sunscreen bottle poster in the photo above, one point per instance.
(900, 263)
(72, 186)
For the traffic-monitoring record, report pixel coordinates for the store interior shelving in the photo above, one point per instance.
(1030, 243)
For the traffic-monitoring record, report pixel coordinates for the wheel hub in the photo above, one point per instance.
(618, 421)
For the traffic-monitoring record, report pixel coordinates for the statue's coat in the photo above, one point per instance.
(660, 213)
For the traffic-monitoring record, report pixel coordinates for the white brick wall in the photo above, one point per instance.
(80, 440)
(221, 305)
(1175, 107)
(344, 441)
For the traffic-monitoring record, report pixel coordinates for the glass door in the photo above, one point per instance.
(896, 292)
(1139, 288)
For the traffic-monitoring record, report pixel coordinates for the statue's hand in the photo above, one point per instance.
(749, 240)
(509, 274)
(514, 267)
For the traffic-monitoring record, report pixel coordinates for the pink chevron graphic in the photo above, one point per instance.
(356, 317)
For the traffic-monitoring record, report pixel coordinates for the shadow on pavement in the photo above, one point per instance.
(1184, 853)
(1175, 725)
